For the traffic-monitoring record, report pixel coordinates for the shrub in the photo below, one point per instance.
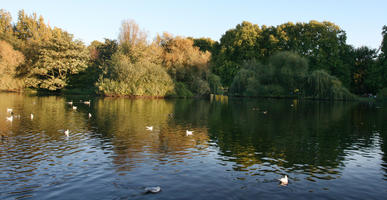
(135, 79)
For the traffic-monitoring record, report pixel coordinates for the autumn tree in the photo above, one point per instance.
(185, 62)
(10, 59)
(58, 58)
(32, 32)
(132, 40)
(6, 27)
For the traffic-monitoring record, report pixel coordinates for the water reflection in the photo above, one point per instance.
(239, 144)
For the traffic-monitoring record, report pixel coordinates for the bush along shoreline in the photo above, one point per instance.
(303, 60)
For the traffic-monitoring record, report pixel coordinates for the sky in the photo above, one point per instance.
(90, 20)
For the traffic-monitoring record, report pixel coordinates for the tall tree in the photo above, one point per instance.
(32, 32)
(6, 27)
(132, 40)
(57, 59)
(323, 43)
(236, 46)
(383, 56)
(364, 70)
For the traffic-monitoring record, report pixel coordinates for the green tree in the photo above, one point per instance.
(290, 71)
(383, 46)
(236, 46)
(364, 70)
(58, 58)
(322, 43)
(285, 75)
(135, 79)
(321, 85)
(383, 57)
(205, 44)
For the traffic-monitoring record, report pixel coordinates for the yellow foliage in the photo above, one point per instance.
(179, 51)
(10, 59)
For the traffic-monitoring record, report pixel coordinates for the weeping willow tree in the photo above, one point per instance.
(322, 85)
(290, 70)
(286, 75)
(281, 76)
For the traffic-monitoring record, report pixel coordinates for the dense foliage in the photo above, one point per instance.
(286, 75)
(298, 60)
(51, 54)
(323, 44)
(135, 79)
(168, 66)
(58, 58)
(10, 59)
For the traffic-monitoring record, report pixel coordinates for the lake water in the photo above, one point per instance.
(239, 149)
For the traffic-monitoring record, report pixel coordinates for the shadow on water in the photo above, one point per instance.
(241, 144)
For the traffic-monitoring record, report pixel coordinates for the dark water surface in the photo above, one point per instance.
(328, 150)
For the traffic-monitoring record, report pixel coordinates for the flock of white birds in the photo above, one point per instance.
(283, 181)
(66, 132)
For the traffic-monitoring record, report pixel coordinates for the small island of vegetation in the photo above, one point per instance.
(302, 60)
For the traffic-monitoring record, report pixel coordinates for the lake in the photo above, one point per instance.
(238, 150)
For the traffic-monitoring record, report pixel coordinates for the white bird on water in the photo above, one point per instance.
(32, 116)
(67, 132)
(9, 110)
(149, 128)
(187, 132)
(152, 189)
(74, 107)
(284, 180)
(89, 115)
(87, 102)
(10, 118)
(70, 102)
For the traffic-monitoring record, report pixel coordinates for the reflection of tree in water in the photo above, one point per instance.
(30, 144)
(308, 136)
(380, 116)
(124, 121)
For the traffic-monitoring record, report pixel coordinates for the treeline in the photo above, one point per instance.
(323, 44)
(49, 59)
(34, 55)
(290, 60)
